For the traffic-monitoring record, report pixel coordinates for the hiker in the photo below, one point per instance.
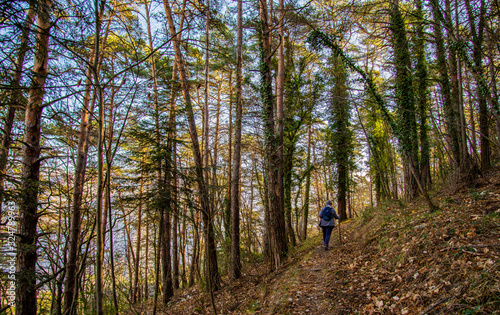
(327, 222)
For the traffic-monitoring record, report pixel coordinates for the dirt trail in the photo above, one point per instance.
(320, 282)
(313, 281)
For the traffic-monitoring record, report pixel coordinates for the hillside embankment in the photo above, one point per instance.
(394, 259)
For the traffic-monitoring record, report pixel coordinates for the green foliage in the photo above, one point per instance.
(318, 39)
(301, 94)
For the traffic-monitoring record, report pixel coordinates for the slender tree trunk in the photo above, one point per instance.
(167, 287)
(287, 183)
(164, 192)
(175, 222)
(195, 253)
(206, 111)
(135, 293)
(99, 7)
(76, 204)
(472, 120)
(305, 213)
(250, 227)
(172, 176)
(26, 258)
(158, 256)
(482, 89)
(280, 111)
(108, 207)
(235, 180)
(213, 273)
(228, 208)
(463, 127)
(172, 165)
(494, 97)
(183, 251)
(266, 246)
(455, 97)
(215, 150)
(146, 260)
(15, 98)
(319, 195)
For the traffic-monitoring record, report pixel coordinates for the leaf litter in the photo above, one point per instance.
(395, 259)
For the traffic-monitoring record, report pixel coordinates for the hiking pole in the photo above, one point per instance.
(340, 239)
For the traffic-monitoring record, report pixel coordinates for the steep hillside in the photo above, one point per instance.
(396, 258)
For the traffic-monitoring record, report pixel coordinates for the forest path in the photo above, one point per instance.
(311, 281)
(323, 282)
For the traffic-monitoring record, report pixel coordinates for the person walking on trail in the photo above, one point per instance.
(327, 222)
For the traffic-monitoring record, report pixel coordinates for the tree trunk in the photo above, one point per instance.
(175, 222)
(228, 205)
(206, 211)
(135, 293)
(146, 268)
(26, 258)
(167, 287)
(278, 244)
(15, 98)
(494, 97)
(319, 194)
(305, 213)
(107, 207)
(100, 185)
(342, 137)
(171, 164)
(172, 179)
(280, 111)
(158, 255)
(287, 183)
(422, 103)
(235, 177)
(76, 204)
(455, 97)
(206, 111)
(405, 100)
(482, 88)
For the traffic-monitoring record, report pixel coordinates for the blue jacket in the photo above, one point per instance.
(328, 223)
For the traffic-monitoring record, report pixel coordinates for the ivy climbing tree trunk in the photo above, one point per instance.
(280, 111)
(405, 100)
(341, 134)
(421, 77)
(26, 258)
(276, 228)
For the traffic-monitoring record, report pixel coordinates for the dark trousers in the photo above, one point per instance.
(327, 232)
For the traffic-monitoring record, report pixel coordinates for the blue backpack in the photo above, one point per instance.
(327, 214)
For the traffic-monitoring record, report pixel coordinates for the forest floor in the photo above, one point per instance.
(393, 259)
